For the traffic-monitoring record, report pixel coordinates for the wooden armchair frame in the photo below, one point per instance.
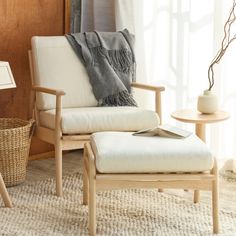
(69, 142)
(94, 181)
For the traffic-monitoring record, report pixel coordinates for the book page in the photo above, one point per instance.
(146, 132)
(164, 131)
(175, 130)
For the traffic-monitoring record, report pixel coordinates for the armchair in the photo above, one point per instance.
(65, 108)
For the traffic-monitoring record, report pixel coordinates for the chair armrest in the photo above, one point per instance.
(157, 90)
(148, 87)
(48, 90)
(59, 94)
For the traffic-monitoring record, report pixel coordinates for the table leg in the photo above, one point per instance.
(4, 193)
(200, 131)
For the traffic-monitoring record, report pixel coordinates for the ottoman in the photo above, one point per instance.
(120, 160)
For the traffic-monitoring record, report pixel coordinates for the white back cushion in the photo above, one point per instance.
(57, 66)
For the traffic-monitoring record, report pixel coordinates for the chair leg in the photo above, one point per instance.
(4, 193)
(85, 181)
(215, 202)
(196, 196)
(58, 159)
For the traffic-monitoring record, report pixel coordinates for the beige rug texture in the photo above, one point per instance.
(37, 211)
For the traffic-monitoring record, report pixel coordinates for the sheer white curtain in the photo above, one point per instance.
(175, 43)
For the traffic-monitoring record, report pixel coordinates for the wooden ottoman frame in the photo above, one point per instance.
(94, 181)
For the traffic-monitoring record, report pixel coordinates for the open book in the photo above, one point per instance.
(168, 131)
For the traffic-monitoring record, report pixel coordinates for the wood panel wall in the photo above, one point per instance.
(19, 21)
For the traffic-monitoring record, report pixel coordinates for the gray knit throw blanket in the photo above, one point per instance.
(110, 64)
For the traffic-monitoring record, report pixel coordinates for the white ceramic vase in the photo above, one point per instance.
(207, 103)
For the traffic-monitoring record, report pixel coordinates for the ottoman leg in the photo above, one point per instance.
(4, 193)
(215, 200)
(92, 205)
(92, 189)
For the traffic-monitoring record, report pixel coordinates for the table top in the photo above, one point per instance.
(193, 116)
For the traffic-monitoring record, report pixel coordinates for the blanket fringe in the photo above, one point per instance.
(123, 98)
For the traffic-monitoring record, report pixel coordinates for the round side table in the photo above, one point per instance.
(200, 120)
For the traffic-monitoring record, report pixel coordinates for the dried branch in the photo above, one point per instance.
(227, 40)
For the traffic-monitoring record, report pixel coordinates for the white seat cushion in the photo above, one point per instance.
(121, 152)
(93, 119)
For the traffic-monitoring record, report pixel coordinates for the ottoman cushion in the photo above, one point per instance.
(121, 152)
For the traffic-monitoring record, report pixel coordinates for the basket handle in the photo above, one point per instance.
(32, 127)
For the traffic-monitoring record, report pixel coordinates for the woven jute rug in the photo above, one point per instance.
(37, 211)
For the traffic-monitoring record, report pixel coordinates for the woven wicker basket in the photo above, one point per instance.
(15, 138)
